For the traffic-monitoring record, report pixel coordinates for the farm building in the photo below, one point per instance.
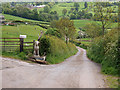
(40, 6)
(32, 7)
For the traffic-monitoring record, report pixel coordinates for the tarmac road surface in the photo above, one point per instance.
(75, 72)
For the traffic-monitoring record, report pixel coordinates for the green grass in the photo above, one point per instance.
(12, 18)
(82, 23)
(57, 50)
(86, 43)
(112, 81)
(15, 31)
(60, 6)
(63, 5)
(17, 55)
(86, 39)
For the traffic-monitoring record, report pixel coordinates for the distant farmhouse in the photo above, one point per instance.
(32, 7)
(40, 6)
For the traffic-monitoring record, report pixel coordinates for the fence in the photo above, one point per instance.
(12, 44)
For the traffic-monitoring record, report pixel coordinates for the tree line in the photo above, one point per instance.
(105, 46)
(22, 11)
(75, 13)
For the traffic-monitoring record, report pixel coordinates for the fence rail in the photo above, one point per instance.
(87, 40)
(12, 44)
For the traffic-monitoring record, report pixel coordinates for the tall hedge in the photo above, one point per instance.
(104, 50)
(56, 49)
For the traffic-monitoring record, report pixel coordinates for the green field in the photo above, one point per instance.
(15, 31)
(81, 23)
(62, 5)
(86, 43)
(12, 18)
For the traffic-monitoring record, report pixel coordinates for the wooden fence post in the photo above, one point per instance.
(33, 45)
(21, 44)
(4, 45)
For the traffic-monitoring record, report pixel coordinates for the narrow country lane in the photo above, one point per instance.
(75, 72)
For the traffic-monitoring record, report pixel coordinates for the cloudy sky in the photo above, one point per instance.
(55, 0)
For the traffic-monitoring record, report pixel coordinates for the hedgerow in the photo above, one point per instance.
(56, 49)
(104, 50)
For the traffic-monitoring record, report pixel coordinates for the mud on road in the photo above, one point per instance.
(75, 72)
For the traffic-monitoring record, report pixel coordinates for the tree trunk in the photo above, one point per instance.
(66, 39)
(103, 28)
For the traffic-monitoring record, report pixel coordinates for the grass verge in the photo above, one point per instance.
(56, 49)
(112, 81)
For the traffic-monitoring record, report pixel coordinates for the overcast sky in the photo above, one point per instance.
(54, 0)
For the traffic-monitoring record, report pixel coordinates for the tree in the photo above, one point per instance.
(38, 3)
(85, 4)
(35, 14)
(64, 11)
(71, 10)
(88, 15)
(66, 28)
(6, 5)
(93, 30)
(72, 16)
(46, 9)
(103, 15)
(13, 3)
(76, 5)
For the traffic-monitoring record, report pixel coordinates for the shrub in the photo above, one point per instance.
(53, 32)
(76, 42)
(44, 46)
(104, 50)
(57, 50)
(83, 46)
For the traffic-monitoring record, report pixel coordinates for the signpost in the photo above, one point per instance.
(21, 42)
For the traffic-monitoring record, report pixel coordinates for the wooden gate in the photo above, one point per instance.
(15, 44)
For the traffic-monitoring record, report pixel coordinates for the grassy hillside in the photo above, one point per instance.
(15, 31)
(81, 23)
(57, 50)
(60, 6)
(63, 5)
(11, 17)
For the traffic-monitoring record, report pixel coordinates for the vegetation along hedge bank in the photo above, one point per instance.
(104, 50)
(56, 49)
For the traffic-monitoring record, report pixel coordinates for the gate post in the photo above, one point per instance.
(21, 44)
(33, 45)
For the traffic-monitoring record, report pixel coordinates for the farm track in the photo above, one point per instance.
(76, 72)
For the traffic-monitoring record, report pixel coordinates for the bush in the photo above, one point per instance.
(104, 50)
(44, 46)
(53, 32)
(83, 46)
(57, 50)
(76, 42)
